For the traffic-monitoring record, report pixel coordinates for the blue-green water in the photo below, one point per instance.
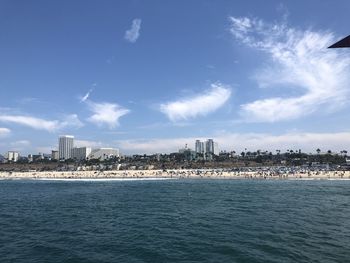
(175, 221)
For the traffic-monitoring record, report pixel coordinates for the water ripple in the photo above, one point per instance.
(174, 221)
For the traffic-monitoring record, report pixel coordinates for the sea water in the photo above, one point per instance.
(174, 221)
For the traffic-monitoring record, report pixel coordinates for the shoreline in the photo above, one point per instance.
(177, 174)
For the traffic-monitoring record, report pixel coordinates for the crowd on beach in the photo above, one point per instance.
(237, 173)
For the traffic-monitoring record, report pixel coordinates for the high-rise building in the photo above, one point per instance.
(80, 153)
(209, 146)
(216, 148)
(199, 147)
(65, 146)
(212, 147)
(12, 156)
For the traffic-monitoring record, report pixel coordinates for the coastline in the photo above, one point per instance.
(174, 174)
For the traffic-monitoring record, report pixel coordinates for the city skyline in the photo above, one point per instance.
(150, 78)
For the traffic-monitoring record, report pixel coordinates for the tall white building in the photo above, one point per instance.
(212, 147)
(80, 153)
(200, 147)
(208, 147)
(65, 146)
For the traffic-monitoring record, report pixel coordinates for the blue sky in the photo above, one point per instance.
(151, 76)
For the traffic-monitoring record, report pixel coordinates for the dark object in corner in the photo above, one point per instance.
(345, 42)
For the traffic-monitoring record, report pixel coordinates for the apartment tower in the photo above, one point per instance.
(65, 146)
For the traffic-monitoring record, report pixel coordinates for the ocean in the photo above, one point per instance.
(174, 221)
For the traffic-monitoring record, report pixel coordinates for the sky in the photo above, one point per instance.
(152, 76)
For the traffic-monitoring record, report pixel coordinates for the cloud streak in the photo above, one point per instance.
(84, 98)
(298, 61)
(200, 105)
(133, 33)
(42, 124)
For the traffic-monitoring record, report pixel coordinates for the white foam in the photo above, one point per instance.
(101, 179)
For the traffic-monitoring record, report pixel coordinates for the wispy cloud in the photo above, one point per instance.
(42, 124)
(87, 143)
(33, 122)
(299, 61)
(86, 96)
(200, 105)
(105, 113)
(71, 121)
(4, 132)
(133, 33)
(21, 143)
(307, 142)
(28, 100)
(150, 146)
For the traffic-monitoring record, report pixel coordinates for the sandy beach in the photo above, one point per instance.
(178, 174)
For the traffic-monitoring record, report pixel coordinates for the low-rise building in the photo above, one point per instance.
(12, 156)
(80, 153)
(104, 153)
(54, 155)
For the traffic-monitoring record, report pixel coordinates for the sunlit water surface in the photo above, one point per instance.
(175, 221)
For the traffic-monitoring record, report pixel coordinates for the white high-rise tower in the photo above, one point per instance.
(212, 147)
(200, 147)
(65, 146)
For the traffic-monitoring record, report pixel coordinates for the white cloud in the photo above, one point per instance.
(42, 124)
(106, 113)
(35, 123)
(200, 105)
(4, 132)
(307, 142)
(133, 33)
(72, 121)
(298, 60)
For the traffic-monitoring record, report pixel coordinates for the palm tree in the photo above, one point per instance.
(318, 150)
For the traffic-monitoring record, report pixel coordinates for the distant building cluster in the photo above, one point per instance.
(204, 150)
(207, 147)
(12, 156)
(66, 150)
(206, 153)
